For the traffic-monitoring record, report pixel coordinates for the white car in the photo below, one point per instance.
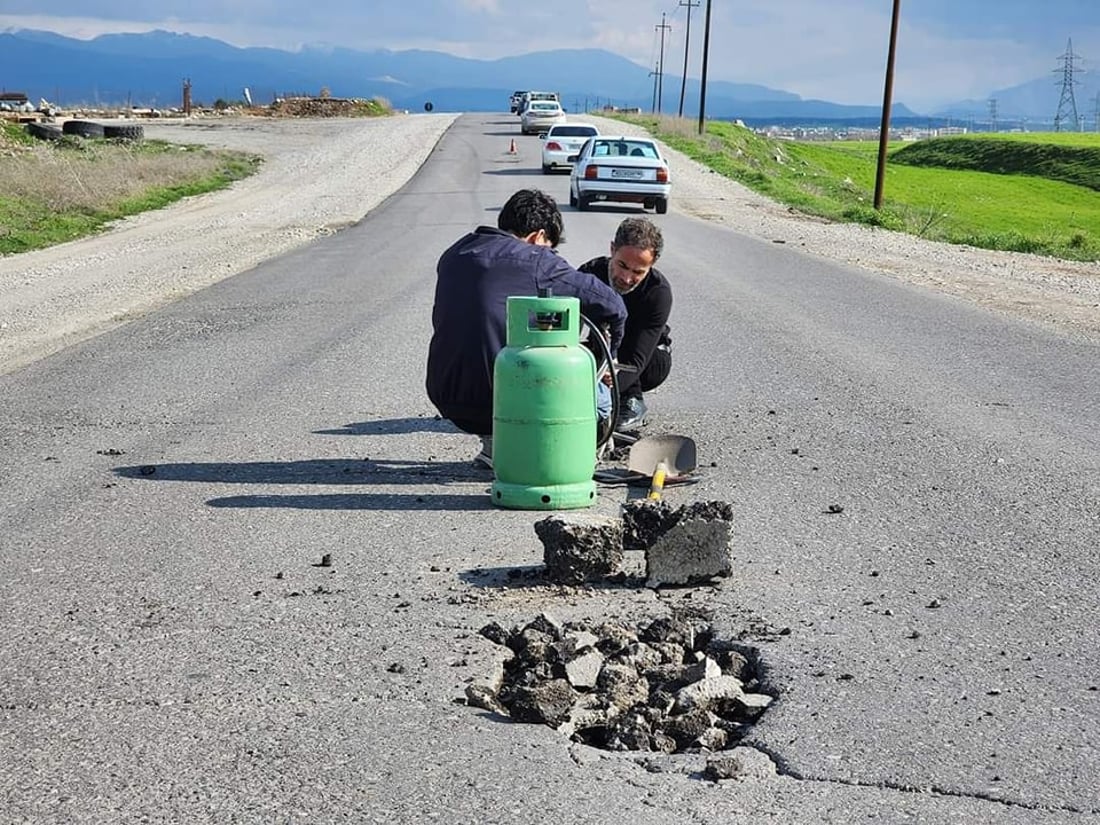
(540, 115)
(564, 140)
(626, 169)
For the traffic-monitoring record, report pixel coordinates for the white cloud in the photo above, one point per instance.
(485, 6)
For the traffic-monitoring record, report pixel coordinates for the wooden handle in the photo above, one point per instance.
(658, 483)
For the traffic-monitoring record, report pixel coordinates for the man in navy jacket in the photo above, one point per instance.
(475, 277)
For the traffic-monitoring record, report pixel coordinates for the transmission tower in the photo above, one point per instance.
(993, 114)
(1067, 106)
(1096, 112)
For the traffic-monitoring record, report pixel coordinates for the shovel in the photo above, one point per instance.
(647, 455)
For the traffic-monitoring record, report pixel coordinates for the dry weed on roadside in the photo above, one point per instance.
(84, 177)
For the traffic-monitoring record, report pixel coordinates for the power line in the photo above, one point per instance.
(661, 66)
(687, 45)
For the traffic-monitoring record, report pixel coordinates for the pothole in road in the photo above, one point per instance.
(669, 685)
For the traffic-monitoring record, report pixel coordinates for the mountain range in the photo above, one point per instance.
(150, 69)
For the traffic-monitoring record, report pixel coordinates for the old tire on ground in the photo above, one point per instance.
(44, 131)
(83, 128)
(662, 206)
(127, 131)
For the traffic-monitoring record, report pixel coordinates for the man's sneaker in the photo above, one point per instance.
(485, 457)
(632, 412)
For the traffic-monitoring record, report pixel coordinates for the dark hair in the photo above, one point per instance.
(530, 210)
(640, 233)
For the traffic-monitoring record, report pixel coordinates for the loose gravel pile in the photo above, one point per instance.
(668, 685)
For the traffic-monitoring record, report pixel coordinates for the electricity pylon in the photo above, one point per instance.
(1067, 105)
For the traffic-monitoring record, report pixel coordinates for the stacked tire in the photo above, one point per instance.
(44, 131)
(82, 128)
(125, 131)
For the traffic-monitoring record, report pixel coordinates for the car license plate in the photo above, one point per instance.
(628, 174)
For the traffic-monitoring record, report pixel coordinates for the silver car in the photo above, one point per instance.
(540, 115)
(627, 169)
(564, 140)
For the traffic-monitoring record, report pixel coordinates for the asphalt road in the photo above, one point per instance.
(173, 652)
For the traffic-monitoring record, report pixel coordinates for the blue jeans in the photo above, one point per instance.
(603, 399)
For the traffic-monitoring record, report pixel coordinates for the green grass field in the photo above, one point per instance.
(1035, 193)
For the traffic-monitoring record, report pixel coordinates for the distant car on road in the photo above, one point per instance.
(530, 97)
(564, 140)
(540, 115)
(516, 100)
(626, 169)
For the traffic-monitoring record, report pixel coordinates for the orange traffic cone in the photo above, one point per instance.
(512, 147)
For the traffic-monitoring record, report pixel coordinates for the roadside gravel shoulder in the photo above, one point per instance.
(1046, 290)
(318, 176)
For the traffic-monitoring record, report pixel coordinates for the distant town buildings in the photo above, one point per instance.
(826, 133)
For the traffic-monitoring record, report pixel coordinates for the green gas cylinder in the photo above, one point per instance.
(544, 409)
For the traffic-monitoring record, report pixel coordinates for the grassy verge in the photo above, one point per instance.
(1024, 193)
(56, 191)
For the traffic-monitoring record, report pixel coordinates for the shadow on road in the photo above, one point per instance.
(394, 426)
(357, 501)
(534, 575)
(334, 471)
(314, 471)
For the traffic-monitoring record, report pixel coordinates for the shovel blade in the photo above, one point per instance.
(676, 452)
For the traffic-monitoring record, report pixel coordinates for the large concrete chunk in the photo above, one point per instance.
(580, 547)
(688, 545)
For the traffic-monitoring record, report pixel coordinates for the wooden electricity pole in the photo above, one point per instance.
(687, 44)
(661, 65)
(884, 129)
(703, 79)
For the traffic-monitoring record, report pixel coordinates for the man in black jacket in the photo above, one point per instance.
(475, 277)
(646, 349)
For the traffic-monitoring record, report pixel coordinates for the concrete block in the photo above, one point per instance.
(580, 547)
(691, 545)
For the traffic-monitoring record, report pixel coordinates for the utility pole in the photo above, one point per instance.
(888, 93)
(654, 74)
(661, 65)
(687, 45)
(703, 78)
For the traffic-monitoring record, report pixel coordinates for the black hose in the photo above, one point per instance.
(605, 351)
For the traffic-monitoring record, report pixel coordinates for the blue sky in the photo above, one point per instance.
(829, 49)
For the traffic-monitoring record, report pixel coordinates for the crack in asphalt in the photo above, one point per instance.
(783, 769)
